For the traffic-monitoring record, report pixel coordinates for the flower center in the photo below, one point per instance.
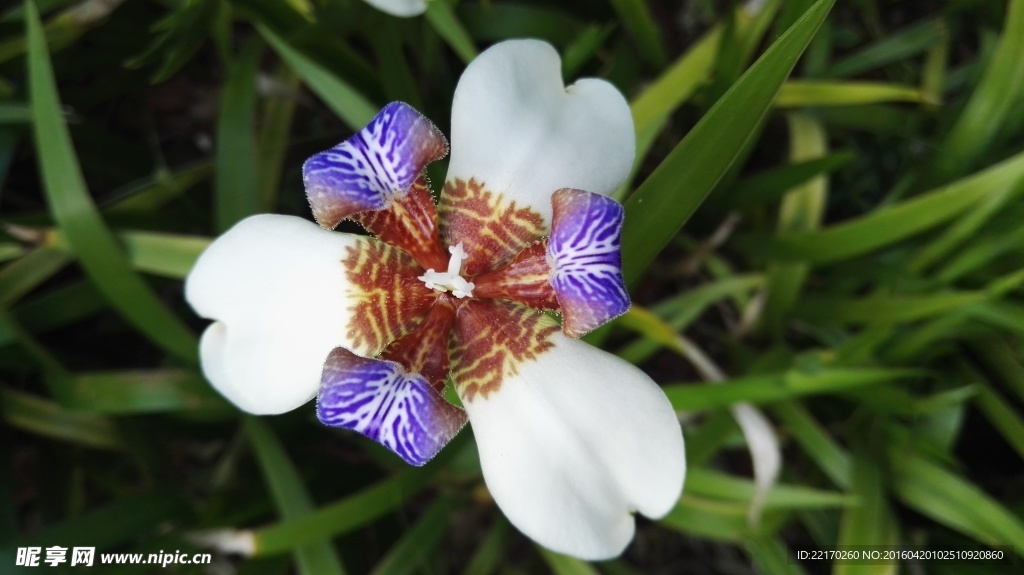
(450, 281)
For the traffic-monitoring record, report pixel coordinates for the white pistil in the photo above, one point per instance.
(450, 280)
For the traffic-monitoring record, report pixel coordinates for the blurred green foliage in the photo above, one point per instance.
(826, 201)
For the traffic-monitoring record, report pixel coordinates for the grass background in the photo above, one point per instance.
(851, 267)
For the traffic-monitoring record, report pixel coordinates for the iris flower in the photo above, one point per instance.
(572, 439)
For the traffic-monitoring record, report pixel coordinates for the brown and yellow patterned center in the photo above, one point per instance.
(487, 337)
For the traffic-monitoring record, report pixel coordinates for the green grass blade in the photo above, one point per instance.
(167, 255)
(59, 307)
(870, 523)
(891, 224)
(565, 565)
(640, 25)
(444, 21)
(657, 210)
(418, 542)
(712, 484)
(995, 97)
(770, 388)
(799, 94)
(153, 192)
(116, 523)
(75, 212)
(488, 555)
(953, 501)
(42, 417)
(237, 191)
(349, 105)
(815, 441)
(965, 228)
(890, 48)
(341, 516)
(277, 112)
(770, 185)
(652, 108)
(1001, 416)
(25, 273)
(583, 48)
(881, 310)
(801, 211)
(769, 555)
(131, 392)
(290, 497)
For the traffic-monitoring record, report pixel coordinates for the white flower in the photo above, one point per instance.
(572, 440)
(400, 8)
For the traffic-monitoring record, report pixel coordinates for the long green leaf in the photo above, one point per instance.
(769, 388)
(447, 25)
(801, 211)
(42, 417)
(564, 564)
(236, 189)
(290, 496)
(953, 501)
(707, 483)
(418, 542)
(349, 105)
(796, 94)
(75, 212)
(663, 203)
(889, 225)
(24, 274)
(342, 516)
(870, 523)
(996, 96)
(126, 392)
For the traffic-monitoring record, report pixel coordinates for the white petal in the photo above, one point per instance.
(520, 132)
(573, 443)
(400, 8)
(278, 292)
(764, 451)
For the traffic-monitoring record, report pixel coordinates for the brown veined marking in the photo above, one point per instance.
(491, 339)
(409, 224)
(424, 350)
(492, 229)
(389, 299)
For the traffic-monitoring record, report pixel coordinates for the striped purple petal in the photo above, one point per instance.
(583, 249)
(375, 166)
(382, 401)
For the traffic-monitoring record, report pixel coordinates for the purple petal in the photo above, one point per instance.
(378, 399)
(586, 230)
(375, 166)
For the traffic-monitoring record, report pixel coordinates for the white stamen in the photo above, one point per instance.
(450, 280)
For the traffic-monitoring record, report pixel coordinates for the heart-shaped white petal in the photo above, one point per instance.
(518, 130)
(400, 8)
(278, 293)
(574, 443)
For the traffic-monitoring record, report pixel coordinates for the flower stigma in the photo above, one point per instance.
(450, 280)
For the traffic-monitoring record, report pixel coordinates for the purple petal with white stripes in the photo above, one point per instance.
(583, 249)
(375, 166)
(382, 401)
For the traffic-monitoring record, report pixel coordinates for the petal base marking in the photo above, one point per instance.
(424, 350)
(378, 399)
(492, 229)
(410, 224)
(526, 279)
(492, 337)
(388, 299)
